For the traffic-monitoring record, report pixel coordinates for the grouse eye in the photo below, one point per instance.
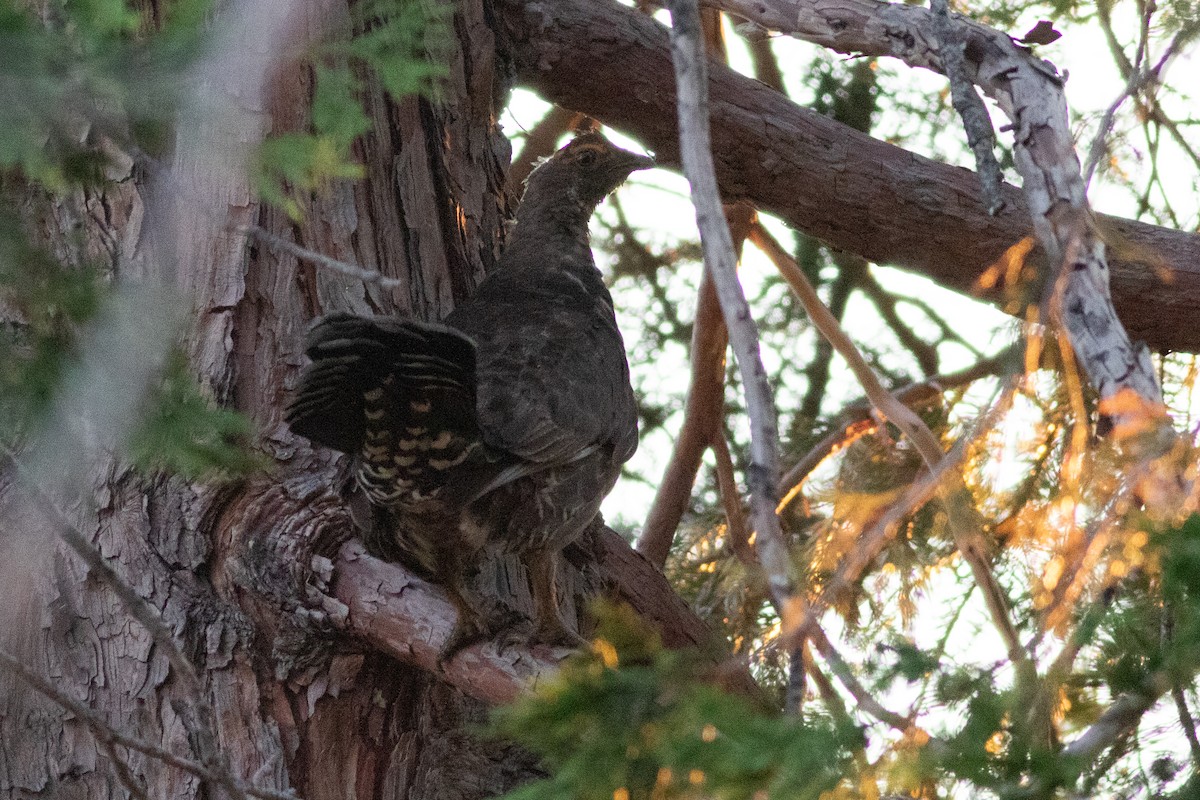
(587, 158)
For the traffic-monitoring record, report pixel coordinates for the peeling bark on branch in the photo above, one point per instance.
(311, 593)
(1030, 92)
(853, 192)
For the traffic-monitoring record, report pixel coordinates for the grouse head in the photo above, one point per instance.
(583, 173)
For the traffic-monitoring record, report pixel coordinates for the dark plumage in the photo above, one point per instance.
(506, 423)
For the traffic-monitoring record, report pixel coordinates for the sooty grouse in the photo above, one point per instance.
(506, 423)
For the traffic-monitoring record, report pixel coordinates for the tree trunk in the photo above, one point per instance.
(295, 704)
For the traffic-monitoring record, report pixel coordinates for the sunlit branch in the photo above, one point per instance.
(966, 535)
(399, 614)
(856, 421)
(871, 543)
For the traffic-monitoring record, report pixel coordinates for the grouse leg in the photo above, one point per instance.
(472, 625)
(550, 627)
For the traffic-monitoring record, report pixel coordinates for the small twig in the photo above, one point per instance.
(1186, 721)
(124, 774)
(970, 108)
(731, 501)
(855, 421)
(1137, 78)
(279, 244)
(828, 326)
(845, 675)
(852, 269)
(110, 737)
(841, 436)
(924, 352)
(691, 74)
(540, 143)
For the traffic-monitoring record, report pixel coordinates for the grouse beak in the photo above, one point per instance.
(637, 162)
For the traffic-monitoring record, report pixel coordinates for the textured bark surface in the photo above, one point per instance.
(328, 722)
(313, 687)
(847, 189)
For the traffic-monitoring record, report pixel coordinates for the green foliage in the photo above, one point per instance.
(631, 720)
(51, 302)
(84, 78)
(398, 41)
(183, 433)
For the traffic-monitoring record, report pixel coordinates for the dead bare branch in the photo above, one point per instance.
(1030, 93)
(281, 245)
(970, 108)
(762, 479)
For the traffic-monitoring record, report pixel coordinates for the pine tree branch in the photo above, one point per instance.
(1030, 92)
(970, 108)
(853, 192)
(959, 514)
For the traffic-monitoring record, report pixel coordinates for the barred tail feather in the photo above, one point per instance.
(422, 365)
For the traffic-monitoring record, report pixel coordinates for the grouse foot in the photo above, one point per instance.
(555, 633)
(498, 622)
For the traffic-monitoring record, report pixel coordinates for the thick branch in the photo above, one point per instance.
(1030, 92)
(287, 536)
(400, 614)
(852, 191)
